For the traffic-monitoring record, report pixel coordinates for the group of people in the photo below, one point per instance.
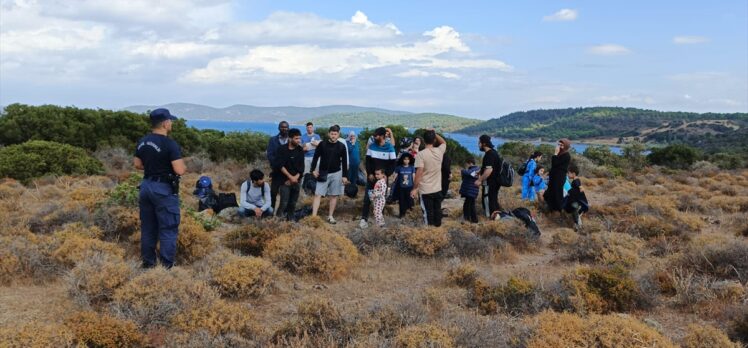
(421, 168)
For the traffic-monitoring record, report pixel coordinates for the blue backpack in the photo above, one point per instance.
(203, 186)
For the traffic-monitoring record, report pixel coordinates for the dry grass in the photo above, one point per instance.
(425, 335)
(94, 330)
(36, 335)
(706, 336)
(94, 280)
(244, 277)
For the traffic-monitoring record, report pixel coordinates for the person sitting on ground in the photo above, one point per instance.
(255, 196)
(539, 183)
(292, 166)
(527, 190)
(404, 182)
(575, 202)
(379, 194)
(469, 191)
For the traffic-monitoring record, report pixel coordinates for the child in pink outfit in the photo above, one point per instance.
(378, 195)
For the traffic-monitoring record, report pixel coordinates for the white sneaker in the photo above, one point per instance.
(331, 220)
(363, 224)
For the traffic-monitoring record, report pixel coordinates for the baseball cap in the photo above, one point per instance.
(161, 114)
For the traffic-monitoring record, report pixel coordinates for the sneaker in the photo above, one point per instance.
(363, 224)
(381, 225)
(331, 220)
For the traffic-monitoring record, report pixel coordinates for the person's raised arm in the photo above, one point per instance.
(440, 139)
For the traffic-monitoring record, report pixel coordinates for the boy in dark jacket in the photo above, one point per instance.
(469, 191)
(575, 201)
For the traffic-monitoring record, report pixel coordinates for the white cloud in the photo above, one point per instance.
(626, 98)
(563, 15)
(608, 50)
(172, 50)
(51, 39)
(689, 40)
(302, 28)
(307, 59)
(422, 73)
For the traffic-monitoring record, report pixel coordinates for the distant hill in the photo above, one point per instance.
(618, 125)
(448, 123)
(258, 113)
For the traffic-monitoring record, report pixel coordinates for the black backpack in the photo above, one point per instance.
(351, 190)
(226, 200)
(309, 183)
(522, 170)
(506, 175)
(525, 215)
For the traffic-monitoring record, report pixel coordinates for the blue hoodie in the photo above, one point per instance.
(468, 188)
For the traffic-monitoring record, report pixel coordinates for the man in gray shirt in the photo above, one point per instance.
(255, 196)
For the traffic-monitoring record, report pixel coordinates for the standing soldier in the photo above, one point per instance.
(161, 160)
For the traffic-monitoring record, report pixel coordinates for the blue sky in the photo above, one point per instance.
(476, 58)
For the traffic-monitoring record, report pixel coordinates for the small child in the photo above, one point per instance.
(576, 201)
(404, 182)
(469, 191)
(378, 194)
(538, 184)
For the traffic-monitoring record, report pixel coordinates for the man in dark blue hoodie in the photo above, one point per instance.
(275, 143)
(380, 154)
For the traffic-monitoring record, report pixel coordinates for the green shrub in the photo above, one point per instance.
(240, 146)
(677, 156)
(38, 158)
(602, 156)
(126, 193)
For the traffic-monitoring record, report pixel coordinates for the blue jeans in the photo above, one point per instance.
(251, 213)
(159, 223)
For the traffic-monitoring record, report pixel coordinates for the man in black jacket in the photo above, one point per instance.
(332, 172)
(489, 174)
(274, 144)
(291, 159)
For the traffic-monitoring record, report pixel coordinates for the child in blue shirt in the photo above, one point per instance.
(404, 182)
(538, 184)
(469, 191)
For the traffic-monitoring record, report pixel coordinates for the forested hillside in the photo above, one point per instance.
(447, 123)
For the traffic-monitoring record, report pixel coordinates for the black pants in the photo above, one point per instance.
(367, 200)
(468, 210)
(493, 198)
(289, 196)
(404, 199)
(275, 185)
(432, 208)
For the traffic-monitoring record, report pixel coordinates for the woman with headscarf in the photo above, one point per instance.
(554, 195)
(354, 157)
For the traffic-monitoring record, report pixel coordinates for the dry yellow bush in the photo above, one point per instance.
(26, 256)
(569, 330)
(156, 296)
(599, 290)
(425, 241)
(732, 204)
(220, 318)
(462, 274)
(78, 244)
(193, 242)
(94, 330)
(243, 277)
(94, 279)
(318, 252)
(717, 255)
(10, 189)
(706, 336)
(36, 335)
(564, 238)
(314, 222)
(515, 297)
(253, 238)
(608, 248)
(90, 196)
(117, 222)
(314, 316)
(424, 335)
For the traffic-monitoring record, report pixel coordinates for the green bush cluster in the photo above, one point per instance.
(37, 158)
(676, 156)
(93, 129)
